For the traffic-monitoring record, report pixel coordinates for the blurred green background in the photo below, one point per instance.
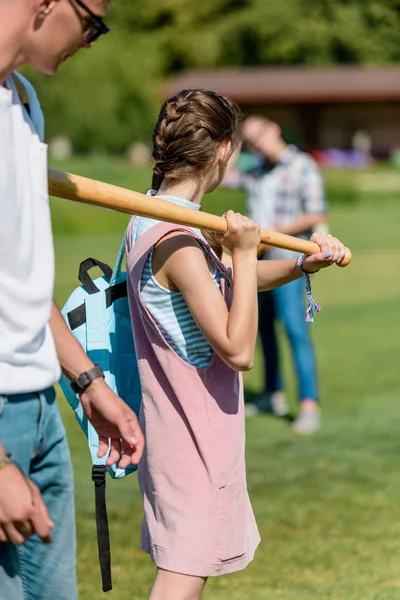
(328, 507)
(108, 97)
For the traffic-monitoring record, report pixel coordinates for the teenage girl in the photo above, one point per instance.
(194, 315)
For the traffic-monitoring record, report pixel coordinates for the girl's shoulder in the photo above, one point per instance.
(138, 226)
(177, 239)
(186, 250)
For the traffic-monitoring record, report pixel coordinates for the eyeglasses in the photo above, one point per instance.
(93, 25)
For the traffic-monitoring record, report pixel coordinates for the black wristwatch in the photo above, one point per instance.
(85, 379)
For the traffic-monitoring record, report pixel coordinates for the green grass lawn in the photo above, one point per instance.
(328, 507)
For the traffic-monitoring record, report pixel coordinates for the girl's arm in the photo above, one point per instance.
(274, 273)
(179, 263)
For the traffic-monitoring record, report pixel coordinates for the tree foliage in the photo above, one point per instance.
(108, 97)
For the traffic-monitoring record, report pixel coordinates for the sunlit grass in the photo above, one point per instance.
(328, 507)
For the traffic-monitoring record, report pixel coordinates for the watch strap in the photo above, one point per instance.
(86, 378)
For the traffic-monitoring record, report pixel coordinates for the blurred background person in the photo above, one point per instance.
(286, 193)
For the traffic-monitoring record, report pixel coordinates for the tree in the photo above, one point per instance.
(108, 97)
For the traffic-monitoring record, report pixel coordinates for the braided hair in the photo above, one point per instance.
(189, 129)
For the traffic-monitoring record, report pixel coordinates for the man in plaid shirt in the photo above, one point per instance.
(286, 193)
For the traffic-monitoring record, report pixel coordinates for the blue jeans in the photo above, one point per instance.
(32, 431)
(287, 303)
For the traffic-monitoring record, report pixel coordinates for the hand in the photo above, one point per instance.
(332, 251)
(22, 510)
(243, 234)
(113, 418)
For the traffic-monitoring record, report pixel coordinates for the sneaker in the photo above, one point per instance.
(274, 403)
(307, 422)
(251, 409)
(279, 404)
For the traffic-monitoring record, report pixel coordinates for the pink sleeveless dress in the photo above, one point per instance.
(198, 517)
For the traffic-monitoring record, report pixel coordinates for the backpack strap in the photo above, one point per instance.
(103, 537)
(22, 92)
(98, 352)
(99, 470)
(118, 263)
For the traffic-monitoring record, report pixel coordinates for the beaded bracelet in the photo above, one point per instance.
(312, 305)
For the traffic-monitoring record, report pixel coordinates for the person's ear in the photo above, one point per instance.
(45, 7)
(224, 152)
(234, 156)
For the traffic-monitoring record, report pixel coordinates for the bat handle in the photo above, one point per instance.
(346, 259)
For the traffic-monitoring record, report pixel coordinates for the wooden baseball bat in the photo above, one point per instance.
(97, 193)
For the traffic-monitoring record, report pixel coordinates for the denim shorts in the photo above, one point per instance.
(32, 431)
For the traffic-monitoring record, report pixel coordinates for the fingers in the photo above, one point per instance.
(115, 422)
(315, 262)
(135, 451)
(16, 508)
(231, 221)
(129, 427)
(332, 249)
(237, 221)
(22, 510)
(128, 448)
(115, 451)
(122, 454)
(131, 455)
(25, 529)
(41, 522)
(114, 445)
(242, 233)
(12, 534)
(103, 447)
(132, 452)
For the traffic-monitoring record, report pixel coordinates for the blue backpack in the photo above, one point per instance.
(98, 315)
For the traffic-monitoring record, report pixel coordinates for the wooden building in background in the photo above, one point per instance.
(317, 108)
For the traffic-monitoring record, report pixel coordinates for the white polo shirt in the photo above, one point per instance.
(28, 360)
